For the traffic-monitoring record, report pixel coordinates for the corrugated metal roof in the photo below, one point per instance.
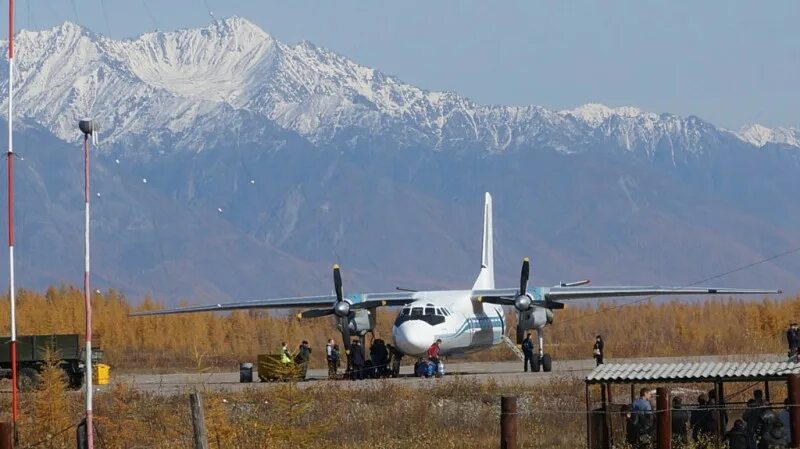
(676, 372)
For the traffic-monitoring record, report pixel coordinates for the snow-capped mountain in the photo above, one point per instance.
(759, 136)
(234, 165)
(202, 82)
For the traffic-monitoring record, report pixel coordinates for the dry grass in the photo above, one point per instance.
(449, 413)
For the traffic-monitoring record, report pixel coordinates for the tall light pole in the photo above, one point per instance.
(88, 129)
(10, 158)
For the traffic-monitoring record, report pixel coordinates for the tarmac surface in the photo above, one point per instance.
(501, 372)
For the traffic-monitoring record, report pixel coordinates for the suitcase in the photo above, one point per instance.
(430, 370)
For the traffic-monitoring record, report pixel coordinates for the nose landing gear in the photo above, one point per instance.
(543, 361)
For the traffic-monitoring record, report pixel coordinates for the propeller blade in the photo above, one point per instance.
(337, 283)
(344, 323)
(499, 300)
(314, 313)
(520, 334)
(524, 275)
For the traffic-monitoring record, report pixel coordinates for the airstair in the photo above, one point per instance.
(513, 347)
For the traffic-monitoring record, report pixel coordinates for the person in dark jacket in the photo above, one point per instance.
(702, 420)
(793, 339)
(597, 350)
(680, 423)
(527, 351)
(303, 353)
(396, 359)
(357, 360)
(379, 356)
(737, 437)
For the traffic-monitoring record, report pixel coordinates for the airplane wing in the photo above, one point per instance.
(560, 293)
(358, 301)
(565, 293)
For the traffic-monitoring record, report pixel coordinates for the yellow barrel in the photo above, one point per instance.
(101, 374)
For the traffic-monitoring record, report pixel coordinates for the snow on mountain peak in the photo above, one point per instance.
(167, 83)
(759, 135)
(595, 114)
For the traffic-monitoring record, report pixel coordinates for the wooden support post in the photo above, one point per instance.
(604, 407)
(663, 419)
(633, 393)
(588, 418)
(610, 418)
(766, 391)
(198, 421)
(794, 408)
(508, 422)
(6, 435)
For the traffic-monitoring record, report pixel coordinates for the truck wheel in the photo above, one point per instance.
(28, 379)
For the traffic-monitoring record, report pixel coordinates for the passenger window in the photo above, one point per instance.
(429, 311)
(416, 311)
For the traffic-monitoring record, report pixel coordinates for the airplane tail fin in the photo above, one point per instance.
(486, 276)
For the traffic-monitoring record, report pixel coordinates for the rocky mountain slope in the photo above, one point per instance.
(234, 165)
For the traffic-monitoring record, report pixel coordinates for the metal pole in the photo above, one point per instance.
(198, 421)
(663, 419)
(508, 422)
(87, 297)
(794, 410)
(10, 158)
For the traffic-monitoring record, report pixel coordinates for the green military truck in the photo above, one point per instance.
(32, 354)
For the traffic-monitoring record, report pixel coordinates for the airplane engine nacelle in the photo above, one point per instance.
(362, 321)
(536, 318)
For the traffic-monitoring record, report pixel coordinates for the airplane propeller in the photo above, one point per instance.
(342, 308)
(523, 301)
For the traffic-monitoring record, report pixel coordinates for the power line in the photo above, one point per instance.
(711, 278)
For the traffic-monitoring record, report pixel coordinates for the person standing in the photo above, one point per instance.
(330, 360)
(285, 356)
(597, 350)
(793, 339)
(527, 351)
(680, 423)
(303, 354)
(358, 360)
(642, 418)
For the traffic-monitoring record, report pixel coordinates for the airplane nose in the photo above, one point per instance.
(414, 337)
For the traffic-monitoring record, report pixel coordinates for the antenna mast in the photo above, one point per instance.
(87, 127)
(10, 159)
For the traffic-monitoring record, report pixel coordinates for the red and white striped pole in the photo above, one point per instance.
(10, 160)
(87, 127)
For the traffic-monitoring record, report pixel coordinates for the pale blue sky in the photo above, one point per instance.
(730, 62)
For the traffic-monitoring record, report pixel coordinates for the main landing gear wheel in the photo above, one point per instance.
(547, 363)
(535, 364)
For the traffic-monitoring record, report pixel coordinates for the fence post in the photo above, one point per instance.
(663, 419)
(6, 435)
(794, 411)
(198, 421)
(508, 422)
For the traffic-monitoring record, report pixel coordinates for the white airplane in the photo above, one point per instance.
(465, 320)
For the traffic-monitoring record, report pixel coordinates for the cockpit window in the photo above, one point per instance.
(416, 311)
(439, 312)
(406, 312)
(429, 311)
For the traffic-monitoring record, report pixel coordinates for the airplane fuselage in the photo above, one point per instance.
(463, 324)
